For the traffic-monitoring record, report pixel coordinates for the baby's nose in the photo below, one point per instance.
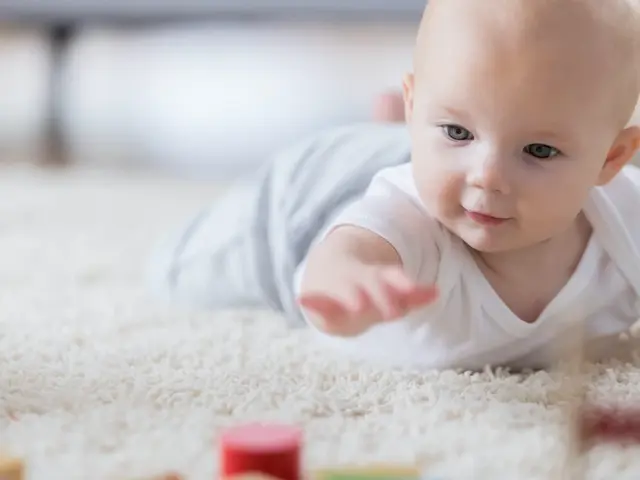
(490, 174)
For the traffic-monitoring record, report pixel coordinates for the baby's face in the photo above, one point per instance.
(510, 134)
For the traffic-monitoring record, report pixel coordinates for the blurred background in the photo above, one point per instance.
(196, 87)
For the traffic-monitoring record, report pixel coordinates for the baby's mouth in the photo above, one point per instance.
(484, 218)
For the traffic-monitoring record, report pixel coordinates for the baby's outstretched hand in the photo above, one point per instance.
(368, 296)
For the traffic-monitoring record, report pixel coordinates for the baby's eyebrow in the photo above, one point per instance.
(549, 134)
(456, 113)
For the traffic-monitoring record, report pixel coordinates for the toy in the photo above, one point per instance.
(590, 424)
(268, 452)
(382, 472)
(168, 476)
(262, 452)
(11, 468)
(251, 476)
(610, 424)
(272, 450)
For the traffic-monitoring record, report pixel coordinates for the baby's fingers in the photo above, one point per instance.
(420, 296)
(337, 317)
(403, 295)
(373, 305)
(382, 300)
(397, 279)
(393, 303)
(324, 306)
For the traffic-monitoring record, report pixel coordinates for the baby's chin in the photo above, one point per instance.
(489, 245)
(489, 239)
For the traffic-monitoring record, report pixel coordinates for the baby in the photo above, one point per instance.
(509, 222)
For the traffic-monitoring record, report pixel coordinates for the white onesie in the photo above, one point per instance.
(470, 326)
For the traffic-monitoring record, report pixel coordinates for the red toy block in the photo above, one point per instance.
(272, 450)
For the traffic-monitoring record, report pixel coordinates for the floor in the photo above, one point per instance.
(101, 381)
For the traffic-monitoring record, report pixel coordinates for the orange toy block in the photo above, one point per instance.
(250, 476)
(11, 468)
(166, 476)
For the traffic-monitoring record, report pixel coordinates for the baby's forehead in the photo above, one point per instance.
(537, 21)
(532, 22)
(551, 48)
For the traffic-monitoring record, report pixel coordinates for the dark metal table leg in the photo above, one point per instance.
(56, 153)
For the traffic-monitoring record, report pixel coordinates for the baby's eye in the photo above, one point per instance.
(540, 150)
(457, 133)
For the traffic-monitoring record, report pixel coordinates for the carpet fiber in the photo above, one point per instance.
(100, 381)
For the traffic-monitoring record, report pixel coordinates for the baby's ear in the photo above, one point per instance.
(622, 151)
(407, 92)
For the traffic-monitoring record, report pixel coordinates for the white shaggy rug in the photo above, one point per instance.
(100, 381)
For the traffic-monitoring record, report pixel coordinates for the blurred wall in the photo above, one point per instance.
(228, 96)
(207, 98)
(24, 68)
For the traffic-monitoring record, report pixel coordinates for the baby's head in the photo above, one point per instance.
(517, 109)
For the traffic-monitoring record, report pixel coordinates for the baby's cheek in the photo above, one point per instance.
(439, 188)
(551, 208)
(450, 192)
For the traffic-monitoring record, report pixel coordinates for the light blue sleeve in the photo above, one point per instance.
(246, 248)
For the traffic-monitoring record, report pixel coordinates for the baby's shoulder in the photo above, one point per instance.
(633, 173)
(624, 189)
(398, 187)
(398, 178)
(396, 184)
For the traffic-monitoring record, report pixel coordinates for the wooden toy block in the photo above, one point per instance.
(166, 476)
(382, 472)
(609, 424)
(11, 468)
(250, 476)
(271, 449)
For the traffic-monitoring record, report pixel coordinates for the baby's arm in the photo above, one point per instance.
(355, 279)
